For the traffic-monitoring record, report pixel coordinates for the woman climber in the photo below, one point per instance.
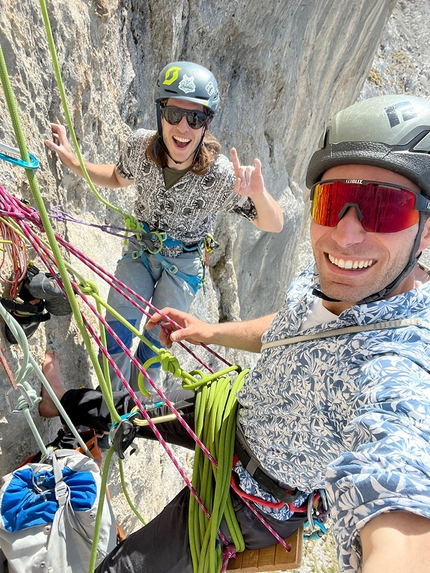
(182, 182)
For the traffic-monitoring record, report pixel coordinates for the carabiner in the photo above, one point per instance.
(33, 165)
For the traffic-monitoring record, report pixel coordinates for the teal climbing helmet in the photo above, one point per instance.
(392, 132)
(190, 82)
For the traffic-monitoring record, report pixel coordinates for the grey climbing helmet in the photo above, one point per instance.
(189, 82)
(392, 132)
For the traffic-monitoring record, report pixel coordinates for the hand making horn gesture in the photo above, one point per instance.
(249, 179)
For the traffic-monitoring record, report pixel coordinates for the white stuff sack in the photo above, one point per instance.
(48, 512)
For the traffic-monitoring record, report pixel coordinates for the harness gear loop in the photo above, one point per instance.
(150, 238)
(153, 242)
(194, 281)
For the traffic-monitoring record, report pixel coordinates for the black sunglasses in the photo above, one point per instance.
(195, 118)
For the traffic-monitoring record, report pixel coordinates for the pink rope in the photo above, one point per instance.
(47, 258)
(15, 209)
(109, 278)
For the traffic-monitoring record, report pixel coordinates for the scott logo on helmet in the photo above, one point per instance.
(171, 75)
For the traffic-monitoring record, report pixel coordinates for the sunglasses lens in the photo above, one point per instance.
(173, 115)
(382, 208)
(196, 119)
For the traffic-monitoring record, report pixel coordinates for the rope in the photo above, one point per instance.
(15, 249)
(190, 381)
(7, 369)
(130, 221)
(215, 425)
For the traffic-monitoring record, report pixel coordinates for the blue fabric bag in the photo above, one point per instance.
(48, 512)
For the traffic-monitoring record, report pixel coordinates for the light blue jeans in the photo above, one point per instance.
(159, 287)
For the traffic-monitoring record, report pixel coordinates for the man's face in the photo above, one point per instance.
(353, 263)
(180, 139)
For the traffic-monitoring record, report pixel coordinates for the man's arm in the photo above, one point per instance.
(396, 542)
(102, 175)
(250, 183)
(241, 335)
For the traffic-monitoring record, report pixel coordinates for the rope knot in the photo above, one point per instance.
(131, 223)
(169, 363)
(29, 398)
(89, 288)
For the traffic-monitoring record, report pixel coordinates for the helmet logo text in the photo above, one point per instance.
(210, 88)
(399, 112)
(187, 84)
(171, 75)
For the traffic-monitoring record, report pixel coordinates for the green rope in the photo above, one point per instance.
(124, 489)
(40, 205)
(130, 221)
(215, 425)
(99, 516)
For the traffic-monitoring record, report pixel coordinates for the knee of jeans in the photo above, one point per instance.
(144, 352)
(124, 334)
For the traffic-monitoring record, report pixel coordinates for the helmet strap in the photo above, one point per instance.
(413, 259)
(320, 294)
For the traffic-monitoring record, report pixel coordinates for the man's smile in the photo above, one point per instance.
(349, 264)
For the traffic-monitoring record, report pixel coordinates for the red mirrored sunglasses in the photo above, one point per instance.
(380, 207)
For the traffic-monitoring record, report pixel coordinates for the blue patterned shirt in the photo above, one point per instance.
(350, 413)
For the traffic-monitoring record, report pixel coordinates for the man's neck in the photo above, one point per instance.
(337, 307)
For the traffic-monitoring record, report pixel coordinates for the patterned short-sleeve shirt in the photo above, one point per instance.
(186, 211)
(350, 413)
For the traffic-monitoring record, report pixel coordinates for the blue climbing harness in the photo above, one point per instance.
(152, 242)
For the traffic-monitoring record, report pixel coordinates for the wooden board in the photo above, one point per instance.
(273, 558)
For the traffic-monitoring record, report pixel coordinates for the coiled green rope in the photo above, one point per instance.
(215, 425)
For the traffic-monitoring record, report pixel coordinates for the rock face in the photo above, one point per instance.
(283, 67)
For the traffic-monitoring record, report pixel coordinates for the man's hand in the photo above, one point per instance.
(240, 335)
(61, 146)
(104, 175)
(193, 330)
(249, 180)
(250, 183)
